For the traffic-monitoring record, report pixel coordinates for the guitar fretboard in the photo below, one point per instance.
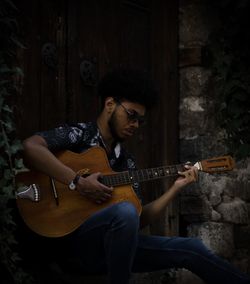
(129, 177)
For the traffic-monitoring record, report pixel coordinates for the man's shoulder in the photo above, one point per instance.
(89, 127)
(82, 125)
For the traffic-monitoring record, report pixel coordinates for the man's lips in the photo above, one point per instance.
(129, 132)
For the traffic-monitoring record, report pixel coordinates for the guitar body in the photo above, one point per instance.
(48, 218)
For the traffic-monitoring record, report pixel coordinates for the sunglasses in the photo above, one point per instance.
(133, 115)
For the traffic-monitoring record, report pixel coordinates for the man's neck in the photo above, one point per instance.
(104, 129)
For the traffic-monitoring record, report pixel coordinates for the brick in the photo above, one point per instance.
(216, 236)
(242, 236)
(235, 211)
(195, 208)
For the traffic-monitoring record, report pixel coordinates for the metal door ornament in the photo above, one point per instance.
(88, 72)
(49, 55)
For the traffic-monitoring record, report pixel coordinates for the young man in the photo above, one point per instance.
(109, 241)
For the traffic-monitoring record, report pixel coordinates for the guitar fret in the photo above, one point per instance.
(140, 174)
(129, 177)
(156, 173)
(132, 176)
(123, 178)
(161, 172)
(145, 174)
(135, 176)
(116, 179)
(173, 170)
(180, 168)
(106, 180)
(150, 173)
(166, 171)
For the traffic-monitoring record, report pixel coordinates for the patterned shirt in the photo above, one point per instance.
(80, 137)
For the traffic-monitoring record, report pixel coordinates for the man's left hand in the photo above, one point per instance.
(186, 177)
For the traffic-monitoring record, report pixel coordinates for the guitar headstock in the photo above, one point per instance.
(216, 165)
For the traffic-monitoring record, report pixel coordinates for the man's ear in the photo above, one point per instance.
(109, 104)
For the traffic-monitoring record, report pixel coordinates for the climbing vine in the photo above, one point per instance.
(230, 47)
(10, 146)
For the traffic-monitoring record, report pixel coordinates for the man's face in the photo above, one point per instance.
(125, 119)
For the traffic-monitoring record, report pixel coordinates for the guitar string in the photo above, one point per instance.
(129, 177)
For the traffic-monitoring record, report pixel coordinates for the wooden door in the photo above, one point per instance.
(71, 44)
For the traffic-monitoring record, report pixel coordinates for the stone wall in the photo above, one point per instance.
(217, 208)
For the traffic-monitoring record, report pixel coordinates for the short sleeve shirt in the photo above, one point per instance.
(81, 136)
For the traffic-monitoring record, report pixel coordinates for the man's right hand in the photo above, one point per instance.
(91, 188)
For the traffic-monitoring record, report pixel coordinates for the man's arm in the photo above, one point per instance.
(39, 157)
(156, 208)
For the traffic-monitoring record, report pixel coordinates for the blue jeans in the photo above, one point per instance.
(109, 242)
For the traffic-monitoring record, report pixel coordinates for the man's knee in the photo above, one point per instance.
(196, 245)
(126, 214)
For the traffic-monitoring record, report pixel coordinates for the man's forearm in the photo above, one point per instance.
(39, 157)
(156, 208)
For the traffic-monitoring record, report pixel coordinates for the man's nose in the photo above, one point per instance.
(135, 123)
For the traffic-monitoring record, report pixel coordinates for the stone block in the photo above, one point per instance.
(215, 216)
(241, 260)
(243, 170)
(184, 276)
(192, 56)
(187, 120)
(170, 276)
(196, 145)
(211, 183)
(216, 236)
(215, 198)
(195, 22)
(242, 236)
(195, 205)
(155, 277)
(191, 190)
(235, 212)
(194, 81)
(242, 180)
(242, 189)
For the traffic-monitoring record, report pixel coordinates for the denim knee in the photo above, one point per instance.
(195, 245)
(125, 214)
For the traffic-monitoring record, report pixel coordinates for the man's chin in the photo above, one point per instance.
(125, 137)
(121, 139)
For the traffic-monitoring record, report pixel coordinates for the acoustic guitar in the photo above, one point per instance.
(50, 209)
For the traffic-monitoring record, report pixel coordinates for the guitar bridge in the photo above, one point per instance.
(31, 192)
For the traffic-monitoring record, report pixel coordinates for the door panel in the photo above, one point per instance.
(71, 44)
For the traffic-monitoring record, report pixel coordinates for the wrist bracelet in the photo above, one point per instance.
(73, 183)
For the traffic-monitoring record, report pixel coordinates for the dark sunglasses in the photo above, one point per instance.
(133, 115)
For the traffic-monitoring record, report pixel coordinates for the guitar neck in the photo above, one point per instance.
(129, 177)
(214, 165)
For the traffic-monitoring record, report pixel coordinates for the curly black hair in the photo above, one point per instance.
(133, 85)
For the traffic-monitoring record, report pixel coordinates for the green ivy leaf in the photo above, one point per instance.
(18, 71)
(4, 82)
(2, 143)
(244, 150)
(7, 108)
(17, 42)
(19, 163)
(3, 162)
(3, 182)
(9, 146)
(8, 175)
(15, 147)
(5, 69)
